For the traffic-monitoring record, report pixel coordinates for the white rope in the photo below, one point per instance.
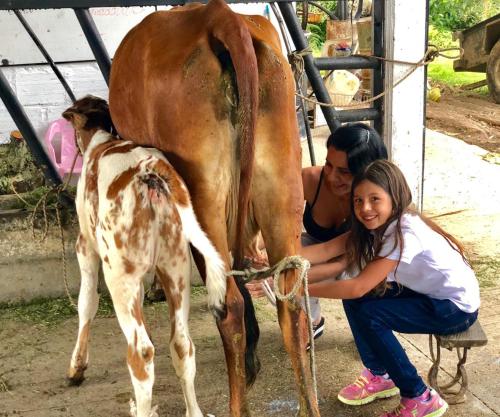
(289, 262)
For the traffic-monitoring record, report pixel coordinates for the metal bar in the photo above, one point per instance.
(312, 72)
(310, 144)
(46, 55)
(424, 137)
(86, 4)
(378, 14)
(358, 115)
(300, 88)
(342, 11)
(95, 42)
(23, 124)
(359, 12)
(346, 62)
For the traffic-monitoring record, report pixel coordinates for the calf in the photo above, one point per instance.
(136, 217)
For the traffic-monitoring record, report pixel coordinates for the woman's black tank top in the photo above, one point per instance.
(315, 230)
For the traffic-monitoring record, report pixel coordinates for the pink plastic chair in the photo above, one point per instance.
(61, 147)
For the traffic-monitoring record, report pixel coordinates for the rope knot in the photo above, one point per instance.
(296, 61)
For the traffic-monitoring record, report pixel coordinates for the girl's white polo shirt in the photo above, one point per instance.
(429, 265)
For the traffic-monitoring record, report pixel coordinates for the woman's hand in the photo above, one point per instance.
(255, 288)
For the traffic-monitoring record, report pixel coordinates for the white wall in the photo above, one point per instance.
(36, 86)
(405, 31)
(42, 95)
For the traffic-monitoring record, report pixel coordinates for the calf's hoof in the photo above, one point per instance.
(75, 377)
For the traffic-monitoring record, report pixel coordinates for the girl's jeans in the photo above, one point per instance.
(373, 319)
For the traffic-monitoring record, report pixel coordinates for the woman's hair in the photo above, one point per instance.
(363, 245)
(360, 142)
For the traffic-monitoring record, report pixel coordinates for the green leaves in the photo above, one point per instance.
(460, 14)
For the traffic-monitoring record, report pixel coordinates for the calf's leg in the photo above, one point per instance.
(88, 301)
(126, 293)
(177, 292)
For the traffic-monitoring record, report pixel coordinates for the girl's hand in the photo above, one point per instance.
(324, 252)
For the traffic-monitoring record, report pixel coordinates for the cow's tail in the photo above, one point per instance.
(231, 31)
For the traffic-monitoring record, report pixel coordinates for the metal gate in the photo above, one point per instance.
(312, 66)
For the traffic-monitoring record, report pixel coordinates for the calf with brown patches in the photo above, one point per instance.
(136, 217)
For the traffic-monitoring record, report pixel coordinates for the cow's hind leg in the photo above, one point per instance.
(88, 301)
(278, 189)
(126, 293)
(177, 292)
(239, 328)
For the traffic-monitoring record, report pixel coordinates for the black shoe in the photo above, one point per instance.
(318, 330)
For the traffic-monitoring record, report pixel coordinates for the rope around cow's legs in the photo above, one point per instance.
(289, 262)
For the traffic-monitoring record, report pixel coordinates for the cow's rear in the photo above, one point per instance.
(212, 90)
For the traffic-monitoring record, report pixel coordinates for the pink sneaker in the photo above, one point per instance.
(366, 388)
(429, 404)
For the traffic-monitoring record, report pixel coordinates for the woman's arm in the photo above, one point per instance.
(323, 252)
(372, 275)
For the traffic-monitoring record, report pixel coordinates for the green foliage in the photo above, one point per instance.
(17, 166)
(317, 36)
(441, 71)
(441, 38)
(460, 14)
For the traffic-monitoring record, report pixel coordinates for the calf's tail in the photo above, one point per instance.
(214, 265)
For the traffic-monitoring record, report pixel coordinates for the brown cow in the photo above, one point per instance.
(212, 90)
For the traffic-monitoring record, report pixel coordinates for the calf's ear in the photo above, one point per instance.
(78, 120)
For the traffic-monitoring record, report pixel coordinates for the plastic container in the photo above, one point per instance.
(61, 147)
(342, 86)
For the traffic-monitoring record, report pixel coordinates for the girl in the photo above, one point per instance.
(414, 279)
(327, 190)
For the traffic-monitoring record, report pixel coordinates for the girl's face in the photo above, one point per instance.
(338, 178)
(372, 205)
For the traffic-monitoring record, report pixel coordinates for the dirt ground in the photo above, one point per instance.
(34, 357)
(468, 116)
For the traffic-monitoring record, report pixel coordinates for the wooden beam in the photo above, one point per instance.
(473, 86)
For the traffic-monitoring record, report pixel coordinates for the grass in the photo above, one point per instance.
(487, 271)
(50, 312)
(441, 71)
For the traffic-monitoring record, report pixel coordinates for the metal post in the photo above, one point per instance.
(378, 50)
(95, 42)
(342, 10)
(23, 124)
(312, 72)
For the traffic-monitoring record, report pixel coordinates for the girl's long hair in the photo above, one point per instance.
(364, 245)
